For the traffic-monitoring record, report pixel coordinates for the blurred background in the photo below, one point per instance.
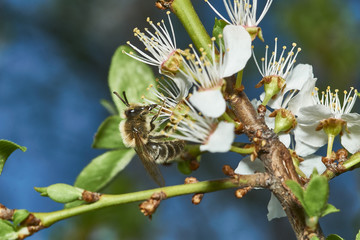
(54, 61)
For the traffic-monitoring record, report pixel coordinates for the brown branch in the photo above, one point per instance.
(276, 158)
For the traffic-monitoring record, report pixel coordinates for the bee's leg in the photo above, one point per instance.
(152, 125)
(157, 137)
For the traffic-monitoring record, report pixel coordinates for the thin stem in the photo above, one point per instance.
(239, 79)
(331, 138)
(254, 180)
(248, 150)
(185, 11)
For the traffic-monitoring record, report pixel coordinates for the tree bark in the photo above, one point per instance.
(276, 158)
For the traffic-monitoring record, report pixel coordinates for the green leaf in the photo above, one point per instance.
(102, 169)
(6, 148)
(316, 195)
(19, 216)
(64, 193)
(108, 135)
(329, 209)
(129, 75)
(7, 230)
(357, 236)
(109, 106)
(218, 30)
(314, 238)
(334, 237)
(297, 190)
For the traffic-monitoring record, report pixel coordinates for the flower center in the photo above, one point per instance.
(331, 100)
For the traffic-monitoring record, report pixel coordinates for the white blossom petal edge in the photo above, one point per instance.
(238, 49)
(221, 139)
(209, 101)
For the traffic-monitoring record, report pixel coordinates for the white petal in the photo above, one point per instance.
(303, 98)
(238, 49)
(302, 149)
(313, 114)
(313, 161)
(183, 85)
(275, 209)
(285, 139)
(299, 76)
(351, 141)
(221, 139)
(351, 118)
(246, 166)
(209, 102)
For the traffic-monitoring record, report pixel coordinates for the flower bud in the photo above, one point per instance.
(62, 193)
(284, 120)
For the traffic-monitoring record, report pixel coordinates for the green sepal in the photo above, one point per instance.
(102, 169)
(218, 30)
(329, 209)
(316, 195)
(129, 75)
(6, 148)
(7, 230)
(19, 216)
(334, 237)
(108, 135)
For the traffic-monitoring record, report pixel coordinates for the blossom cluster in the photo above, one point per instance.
(192, 100)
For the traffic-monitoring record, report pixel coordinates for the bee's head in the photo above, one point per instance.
(139, 110)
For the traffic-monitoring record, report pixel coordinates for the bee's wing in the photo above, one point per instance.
(148, 161)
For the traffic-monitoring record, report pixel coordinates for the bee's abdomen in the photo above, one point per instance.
(165, 151)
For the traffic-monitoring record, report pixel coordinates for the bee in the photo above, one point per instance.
(137, 131)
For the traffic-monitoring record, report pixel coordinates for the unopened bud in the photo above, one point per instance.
(228, 171)
(241, 192)
(190, 180)
(62, 193)
(196, 199)
(149, 206)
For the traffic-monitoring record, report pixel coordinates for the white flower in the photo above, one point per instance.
(275, 210)
(298, 78)
(213, 136)
(270, 122)
(277, 65)
(208, 75)
(328, 106)
(160, 45)
(241, 12)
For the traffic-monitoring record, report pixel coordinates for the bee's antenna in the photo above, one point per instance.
(125, 98)
(124, 101)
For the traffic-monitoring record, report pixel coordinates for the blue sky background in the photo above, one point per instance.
(54, 59)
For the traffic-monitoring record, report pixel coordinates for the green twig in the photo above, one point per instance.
(255, 180)
(185, 11)
(247, 150)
